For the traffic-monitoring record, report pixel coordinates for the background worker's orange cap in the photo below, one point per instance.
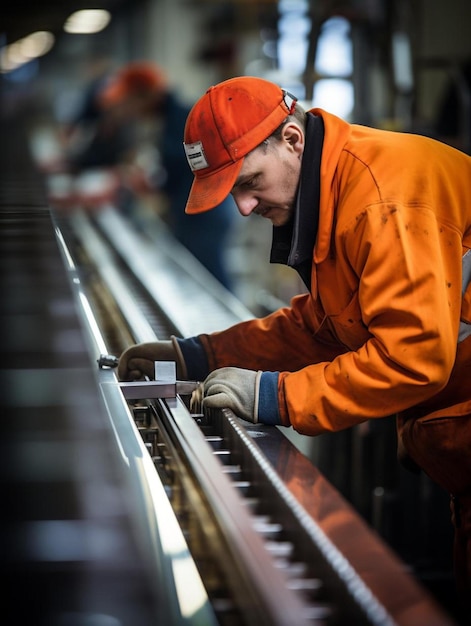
(137, 77)
(228, 122)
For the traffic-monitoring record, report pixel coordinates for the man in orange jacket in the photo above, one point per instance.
(378, 225)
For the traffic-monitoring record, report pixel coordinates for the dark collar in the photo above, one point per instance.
(293, 244)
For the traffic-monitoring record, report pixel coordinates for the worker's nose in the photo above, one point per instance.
(245, 203)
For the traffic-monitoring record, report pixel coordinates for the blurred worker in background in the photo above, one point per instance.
(91, 137)
(378, 225)
(139, 91)
(91, 146)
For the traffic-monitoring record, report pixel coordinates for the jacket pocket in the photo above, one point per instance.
(348, 325)
(440, 443)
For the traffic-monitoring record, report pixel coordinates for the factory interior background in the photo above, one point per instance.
(382, 63)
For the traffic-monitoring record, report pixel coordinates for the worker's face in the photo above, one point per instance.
(268, 181)
(135, 106)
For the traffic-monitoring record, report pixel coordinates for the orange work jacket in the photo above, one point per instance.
(378, 333)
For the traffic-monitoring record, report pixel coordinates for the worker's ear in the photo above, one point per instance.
(294, 136)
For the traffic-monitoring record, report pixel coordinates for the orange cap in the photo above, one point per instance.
(228, 122)
(134, 78)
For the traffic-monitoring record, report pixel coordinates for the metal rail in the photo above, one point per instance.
(162, 543)
(256, 534)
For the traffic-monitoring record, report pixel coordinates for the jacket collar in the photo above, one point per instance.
(293, 244)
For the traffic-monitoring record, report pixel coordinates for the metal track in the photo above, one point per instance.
(262, 555)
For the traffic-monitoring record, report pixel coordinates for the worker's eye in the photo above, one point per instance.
(248, 184)
(252, 182)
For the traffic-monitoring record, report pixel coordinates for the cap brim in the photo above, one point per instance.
(209, 191)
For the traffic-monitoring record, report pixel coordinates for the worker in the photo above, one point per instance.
(140, 92)
(91, 138)
(378, 225)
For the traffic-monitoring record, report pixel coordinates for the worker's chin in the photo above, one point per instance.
(278, 218)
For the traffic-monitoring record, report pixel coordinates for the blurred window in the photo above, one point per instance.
(333, 89)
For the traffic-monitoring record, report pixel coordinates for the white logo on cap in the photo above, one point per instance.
(195, 155)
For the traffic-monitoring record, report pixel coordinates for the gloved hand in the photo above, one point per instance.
(138, 360)
(233, 388)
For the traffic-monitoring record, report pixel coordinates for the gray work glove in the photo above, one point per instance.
(139, 360)
(233, 388)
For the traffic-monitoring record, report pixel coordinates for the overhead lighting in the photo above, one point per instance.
(36, 44)
(87, 21)
(26, 49)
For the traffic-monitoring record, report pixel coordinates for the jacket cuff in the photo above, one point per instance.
(195, 358)
(268, 412)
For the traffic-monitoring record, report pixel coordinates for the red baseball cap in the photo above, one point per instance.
(134, 78)
(228, 122)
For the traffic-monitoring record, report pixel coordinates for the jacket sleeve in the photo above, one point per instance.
(288, 339)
